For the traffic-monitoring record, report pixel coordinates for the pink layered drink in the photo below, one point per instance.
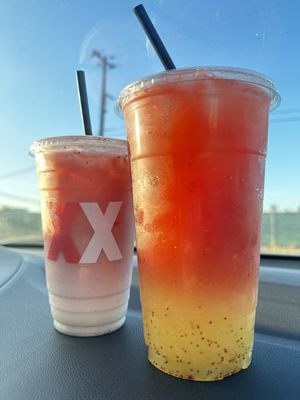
(87, 220)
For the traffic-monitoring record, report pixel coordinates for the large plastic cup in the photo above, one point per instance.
(88, 229)
(197, 140)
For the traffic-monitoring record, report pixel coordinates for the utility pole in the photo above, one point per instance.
(273, 212)
(106, 65)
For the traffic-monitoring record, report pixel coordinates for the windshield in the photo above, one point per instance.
(43, 43)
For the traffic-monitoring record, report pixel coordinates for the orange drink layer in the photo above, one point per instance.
(198, 142)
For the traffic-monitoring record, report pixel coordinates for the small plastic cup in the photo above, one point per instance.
(87, 220)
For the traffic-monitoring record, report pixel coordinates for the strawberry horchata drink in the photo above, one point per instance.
(197, 140)
(87, 219)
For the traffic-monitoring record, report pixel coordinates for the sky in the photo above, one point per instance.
(43, 43)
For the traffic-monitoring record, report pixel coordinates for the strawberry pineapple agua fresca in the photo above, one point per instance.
(198, 144)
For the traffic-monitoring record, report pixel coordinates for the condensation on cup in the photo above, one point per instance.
(198, 140)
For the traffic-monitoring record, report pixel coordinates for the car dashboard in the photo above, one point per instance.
(37, 362)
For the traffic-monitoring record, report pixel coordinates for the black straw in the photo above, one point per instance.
(84, 105)
(153, 36)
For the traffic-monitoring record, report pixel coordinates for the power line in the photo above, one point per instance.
(17, 197)
(226, 22)
(115, 129)
(18, 172)
(287, 111)
(282, 120)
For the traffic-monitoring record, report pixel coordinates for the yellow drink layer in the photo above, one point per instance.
(197, 347)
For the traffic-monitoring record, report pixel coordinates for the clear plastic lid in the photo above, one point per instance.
(79, 143)
(200, 73)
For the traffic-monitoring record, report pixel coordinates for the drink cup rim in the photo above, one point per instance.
(73, 143)
(200, 73)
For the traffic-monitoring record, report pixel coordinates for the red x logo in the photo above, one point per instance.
(62, 220)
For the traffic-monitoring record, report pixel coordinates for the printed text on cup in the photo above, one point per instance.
(102, 238)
